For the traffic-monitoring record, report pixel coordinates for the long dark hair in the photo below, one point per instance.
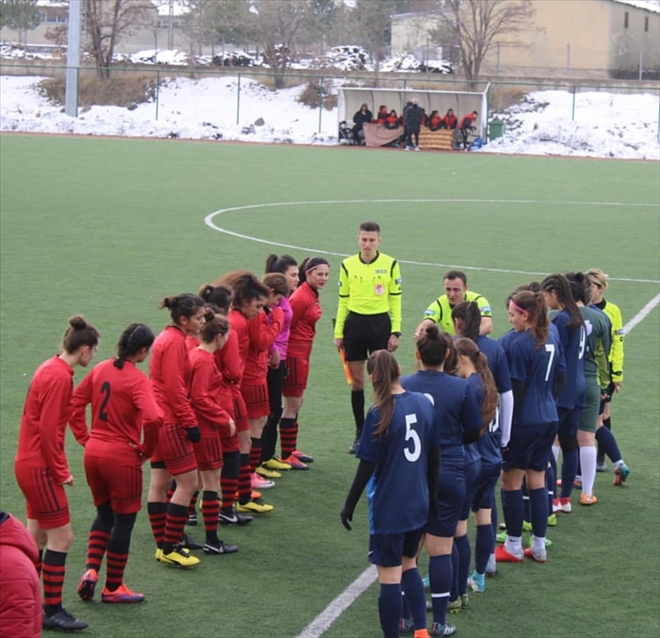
(132, 340)
(433, 346)
(558, 284)
(281, 263)
(533, 303)
(580, 286)
(214, 325)
(308, 264)
(384, 371)
(245, 286)
(469, 349)
(184, 305)
(470, 315)
(79, 334)
(220, 296)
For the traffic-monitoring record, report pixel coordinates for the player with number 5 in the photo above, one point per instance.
(398, 454)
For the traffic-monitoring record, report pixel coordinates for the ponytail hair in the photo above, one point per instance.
(598, 277)
(276, 282)
(184, 305)
(469, 349)
(533, 286)
(433, 346)
(533, 303)
(384, 371)
(218, 295)
(132, 340)
(308, 265)
(580, 287)
(214, 324)
(470, 315)
(558, 284)
(79, 334)
(280, 264)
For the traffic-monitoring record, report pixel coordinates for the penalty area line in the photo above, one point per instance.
(336, 608)
(641, 315)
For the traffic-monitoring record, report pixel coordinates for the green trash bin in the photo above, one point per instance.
(495, 129)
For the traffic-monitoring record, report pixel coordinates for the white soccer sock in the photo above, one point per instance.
(513, 544)
(538, 544)
(555, 452)
(588, 460)
(618, 464)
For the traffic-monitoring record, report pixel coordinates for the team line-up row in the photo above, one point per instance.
(230, 373)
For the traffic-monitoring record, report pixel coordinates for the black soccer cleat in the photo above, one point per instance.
(220, 548)
(62, 620)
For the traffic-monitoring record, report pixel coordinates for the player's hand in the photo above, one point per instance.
(194, 434)
(274, 359)
(617, 386)
(69, 480)
(339, 344)
(392, 343)
(346, 518)
(231, 427)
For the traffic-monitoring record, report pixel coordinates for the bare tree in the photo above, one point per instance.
(276, 24)
(107, 21)
(198, 25)
(477, 25)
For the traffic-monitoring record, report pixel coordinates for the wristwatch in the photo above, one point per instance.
(396, 334)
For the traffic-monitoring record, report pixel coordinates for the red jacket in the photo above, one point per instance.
(306, 313)
(20, 603)
(450, 121)
(205, 392)
(467, 121)
(262, 334)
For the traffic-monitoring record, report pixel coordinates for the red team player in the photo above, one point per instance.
(205, 398)
(123, 406)
(169, 370)
(41, 466)
(314, 273)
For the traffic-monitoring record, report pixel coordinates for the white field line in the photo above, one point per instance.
(336, 608)
(641, 315)
(209, 221)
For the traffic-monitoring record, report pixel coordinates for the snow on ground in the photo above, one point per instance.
(605, 125)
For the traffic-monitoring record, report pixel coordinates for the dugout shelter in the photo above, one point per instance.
(350, 99)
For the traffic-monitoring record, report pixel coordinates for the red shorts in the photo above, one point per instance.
(240, 413)
(256, 399)
(46, 500)
(296, 381)
(175, 450)
(208, 451)
(116, 480)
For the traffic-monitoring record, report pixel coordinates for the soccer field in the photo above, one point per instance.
(108, 227)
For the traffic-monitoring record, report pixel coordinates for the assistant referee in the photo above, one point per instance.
(369, 312)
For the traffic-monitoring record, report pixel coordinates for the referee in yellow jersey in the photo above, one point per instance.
(369, 312)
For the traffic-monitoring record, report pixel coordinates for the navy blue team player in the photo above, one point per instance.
(399, 455)
(537, 367)
(565, 315)
(473, 366)
(458, 417)
(467, 321)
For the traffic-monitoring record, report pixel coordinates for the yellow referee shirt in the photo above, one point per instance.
(440, 310)
(369, 289)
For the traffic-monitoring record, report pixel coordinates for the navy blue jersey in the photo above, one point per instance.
(488, 446)
(574, 343)
(497, 363)
(456, 407)
(398, 490)
(537, 369)
(471, 449)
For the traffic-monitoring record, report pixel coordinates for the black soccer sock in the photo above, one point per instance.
(357, 404)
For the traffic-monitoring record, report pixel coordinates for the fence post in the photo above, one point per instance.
(320, 98)
(641, 64)
(573, 112)
(238, 100)
(157, 93)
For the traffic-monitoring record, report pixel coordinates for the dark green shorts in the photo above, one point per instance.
(589, 416)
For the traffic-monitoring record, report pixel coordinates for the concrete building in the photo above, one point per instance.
(605, 38)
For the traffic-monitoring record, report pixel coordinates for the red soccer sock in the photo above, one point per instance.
(116, 564)
(157, 517)
(96, 546)
(54, 570)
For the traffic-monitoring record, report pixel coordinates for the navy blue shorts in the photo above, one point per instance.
(569, 421)
(388, 550)
(472, 471)
(484, 496)
(530, 447)
(451, 494)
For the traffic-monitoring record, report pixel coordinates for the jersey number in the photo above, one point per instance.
(494, 425)
(583, 342)
(549, 347)
(105, 390)
(412, 455)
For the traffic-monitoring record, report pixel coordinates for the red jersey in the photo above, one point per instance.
(228, 361)
(169, 370)
(262, 333)
(467, 121)
(45, 415)
(450, 121)
(239, 326)
(306, 312)
(205, 388)
(123, 404)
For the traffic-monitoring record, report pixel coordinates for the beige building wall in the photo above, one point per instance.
(638, 32)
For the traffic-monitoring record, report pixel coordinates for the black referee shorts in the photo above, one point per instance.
(364, 334)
